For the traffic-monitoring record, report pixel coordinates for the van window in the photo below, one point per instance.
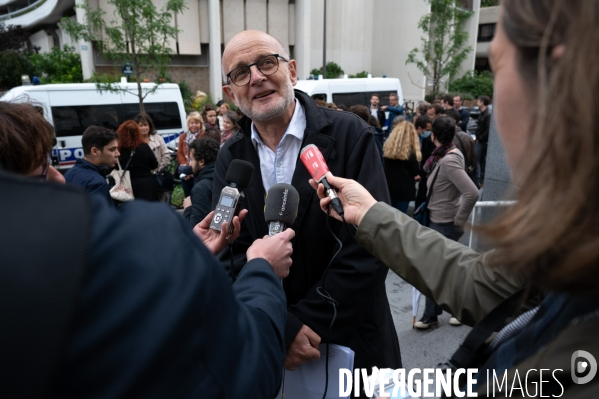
(349, 99)
(164, 115)
(319, 96)
(73, 120)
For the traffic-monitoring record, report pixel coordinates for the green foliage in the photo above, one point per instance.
(187, 94)
(473, 84)
(363, 74)
(442, 48)
(489, 3)
(334, 71)
(138, 33)
(12, 66)
(58, 66)
(13, 38)
(177, 196)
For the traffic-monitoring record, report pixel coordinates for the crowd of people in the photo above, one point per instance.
(143, 306)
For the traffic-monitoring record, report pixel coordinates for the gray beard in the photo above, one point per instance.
(278, 110)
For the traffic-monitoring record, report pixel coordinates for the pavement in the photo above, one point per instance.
(420, 348)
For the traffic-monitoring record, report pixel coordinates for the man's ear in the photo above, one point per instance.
(95, 152)
(227, 89)
(292, 65)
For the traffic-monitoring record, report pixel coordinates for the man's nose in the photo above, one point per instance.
(256, 77)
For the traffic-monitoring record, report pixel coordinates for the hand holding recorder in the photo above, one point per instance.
(216, 240)
(355, 199)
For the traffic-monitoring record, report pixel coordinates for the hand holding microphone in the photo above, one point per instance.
(314, 161)
(355, 199)
(280, 211)
(276, 250)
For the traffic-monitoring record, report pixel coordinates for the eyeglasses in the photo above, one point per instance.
(267, 65)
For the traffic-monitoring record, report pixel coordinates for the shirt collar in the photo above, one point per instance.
(296, 127)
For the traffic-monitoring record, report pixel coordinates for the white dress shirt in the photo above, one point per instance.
(278, 166)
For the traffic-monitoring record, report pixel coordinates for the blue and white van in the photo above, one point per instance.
(72, 108)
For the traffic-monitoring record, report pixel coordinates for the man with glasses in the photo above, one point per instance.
(259, 77)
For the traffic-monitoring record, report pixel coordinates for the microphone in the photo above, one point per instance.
(317, 166)
(280, 207)
(231, 198)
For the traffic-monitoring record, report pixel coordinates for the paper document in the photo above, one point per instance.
(308, 381)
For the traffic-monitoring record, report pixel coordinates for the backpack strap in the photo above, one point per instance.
(463, 151)
(466, 354)
(45, 240)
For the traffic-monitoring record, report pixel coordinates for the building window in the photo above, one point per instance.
(482, 64)
(486, 32)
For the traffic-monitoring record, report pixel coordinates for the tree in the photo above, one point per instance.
(12, 66)
(442, 48)
(363, 74)
(333, 71)
(58, 66)
(138, 34)
(13, 38)
(489, 3)
(473, 84)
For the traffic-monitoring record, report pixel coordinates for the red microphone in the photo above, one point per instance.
(317, 166)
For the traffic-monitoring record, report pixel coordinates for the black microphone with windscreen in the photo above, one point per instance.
(231, 198)
(280, 207)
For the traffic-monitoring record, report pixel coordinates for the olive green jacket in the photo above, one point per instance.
(458, 280)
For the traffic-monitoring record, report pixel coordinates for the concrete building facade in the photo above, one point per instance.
(361, 35)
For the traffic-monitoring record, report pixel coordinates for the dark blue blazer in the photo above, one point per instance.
(159, 318)
(87, 175)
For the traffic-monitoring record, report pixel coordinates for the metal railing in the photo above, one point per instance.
(477, 210)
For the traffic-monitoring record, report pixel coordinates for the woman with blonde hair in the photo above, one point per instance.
(195, 126)
(401, 153)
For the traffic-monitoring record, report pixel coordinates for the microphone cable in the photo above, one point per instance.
(327, 297)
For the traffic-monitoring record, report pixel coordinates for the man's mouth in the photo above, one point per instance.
(262, 95)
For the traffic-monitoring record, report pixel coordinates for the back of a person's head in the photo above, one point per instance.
(444, 129)
(129, 135)
(423, 121)
(204, 148)
(439, 109)
(145, 119)
(485, 100)
(97, 136)
(423, 106)
(448, 99)
(213, 134)
(26, 138)
(550, 234)
(372, 121)
(360, 110)
(402, 142)
(452, 113)
(398, 119)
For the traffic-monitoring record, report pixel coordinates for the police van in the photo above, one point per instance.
(72, 108)
(350, 92)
